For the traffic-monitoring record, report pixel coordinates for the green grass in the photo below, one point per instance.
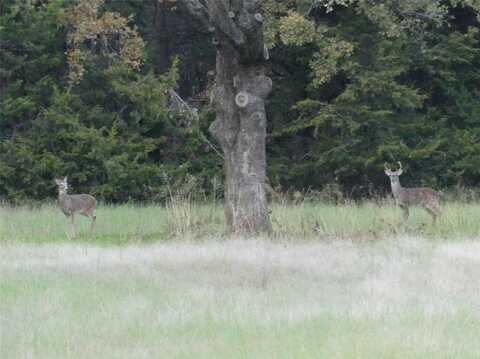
(397, 298)
(347, 281)
(115, 224)
(184, 219)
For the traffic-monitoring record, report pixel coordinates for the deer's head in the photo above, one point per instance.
(62, 185)
(394, 175)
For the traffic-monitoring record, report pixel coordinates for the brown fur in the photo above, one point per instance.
(406, 197)
(83, 204)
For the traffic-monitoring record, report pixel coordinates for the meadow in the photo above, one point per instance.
(191, 220)
(332, 281)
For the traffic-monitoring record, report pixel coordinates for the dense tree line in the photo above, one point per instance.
(355, 84)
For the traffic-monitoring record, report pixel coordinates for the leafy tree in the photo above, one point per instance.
(85, 91)
(112, 132)
(377, 71)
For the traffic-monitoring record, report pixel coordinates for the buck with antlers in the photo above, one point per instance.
(408, 197)
(75, 203)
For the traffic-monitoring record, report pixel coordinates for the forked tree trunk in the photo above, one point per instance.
(238, 97)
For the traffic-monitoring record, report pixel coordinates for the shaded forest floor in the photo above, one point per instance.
(403, 297)
(183, 219)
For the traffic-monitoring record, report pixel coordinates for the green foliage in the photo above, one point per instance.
(295, 30)
(356, 83)
(113, 134)
(408, 94)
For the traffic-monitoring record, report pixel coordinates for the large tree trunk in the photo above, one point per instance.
(238, 96)
(240, 127)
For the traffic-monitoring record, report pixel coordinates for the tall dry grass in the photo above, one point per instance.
(185, 218)
(404, 297)
(346, 280)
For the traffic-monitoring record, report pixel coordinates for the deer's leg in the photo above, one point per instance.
(406, 213)
(434, 212)
(438, 209)
(72, 226)
(94, 220)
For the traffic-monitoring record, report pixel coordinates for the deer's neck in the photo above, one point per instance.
(61, 196)
(396, 188)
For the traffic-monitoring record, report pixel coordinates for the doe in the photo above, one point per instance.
(75, 203)
(407, 197)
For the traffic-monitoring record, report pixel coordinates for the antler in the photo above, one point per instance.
(400, 169)
(388, 170)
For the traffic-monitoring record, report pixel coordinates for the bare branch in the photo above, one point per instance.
(220, 18)
(198, 11)
(237, 23)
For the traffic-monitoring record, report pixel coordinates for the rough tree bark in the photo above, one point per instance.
(239, 93)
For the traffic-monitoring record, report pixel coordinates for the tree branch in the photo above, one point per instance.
(235, 22)
(197, 10)
(219, 15)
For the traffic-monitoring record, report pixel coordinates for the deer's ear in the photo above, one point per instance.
(65, 179)
(399, 172)
(57, 181)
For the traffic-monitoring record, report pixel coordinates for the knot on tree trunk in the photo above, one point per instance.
(242, 99)
(258, 17)
(255, 84)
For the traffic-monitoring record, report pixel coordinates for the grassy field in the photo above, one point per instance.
(331, 282)
(129, 223)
